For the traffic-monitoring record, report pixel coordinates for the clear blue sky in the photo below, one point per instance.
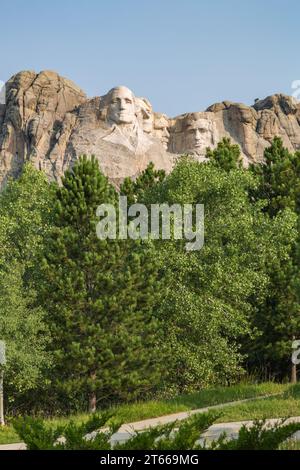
(182, 55)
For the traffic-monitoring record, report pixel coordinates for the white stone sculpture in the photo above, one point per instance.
(121, 116)
(193, 133)
(161, 129)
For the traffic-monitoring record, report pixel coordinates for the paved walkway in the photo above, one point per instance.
(232, 429)
(148, 423)
(127, 429)
(17, 446)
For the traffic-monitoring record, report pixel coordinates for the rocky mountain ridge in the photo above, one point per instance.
(48, 120)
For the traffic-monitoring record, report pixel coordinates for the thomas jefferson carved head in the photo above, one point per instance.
(145, 114)
(161, 129)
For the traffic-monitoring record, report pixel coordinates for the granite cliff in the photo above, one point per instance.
(48, 120)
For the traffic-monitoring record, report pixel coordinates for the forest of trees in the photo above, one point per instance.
(90, 322)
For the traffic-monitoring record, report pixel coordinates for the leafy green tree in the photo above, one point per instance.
(226, 156)
(100, 297)
(25, 218)
(208, 307)
(23, 328)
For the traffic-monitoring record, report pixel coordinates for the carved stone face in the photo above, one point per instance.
(198, 135)
(121, 106)
(146, 114)
(148, 124)
(161, 131)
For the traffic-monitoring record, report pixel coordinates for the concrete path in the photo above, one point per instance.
(148, 423)
(126, 430)
(17, 446)
(213, 432)
(232, 429)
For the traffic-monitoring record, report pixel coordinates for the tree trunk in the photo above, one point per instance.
(92, 395)
(294, 374)
(92, 402)
(294, 368)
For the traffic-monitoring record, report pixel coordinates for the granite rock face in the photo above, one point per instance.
(37, 112)
(48, 120)
(254, 127)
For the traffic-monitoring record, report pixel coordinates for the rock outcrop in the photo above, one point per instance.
(254, 127)
(39, 109)
(48, 120)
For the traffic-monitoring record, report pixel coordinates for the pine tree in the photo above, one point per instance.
(100, 296)
(135, 190)
(278, 179)
(226, 156)
(278, 318)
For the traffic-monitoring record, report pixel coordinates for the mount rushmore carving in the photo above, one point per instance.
(49, 121)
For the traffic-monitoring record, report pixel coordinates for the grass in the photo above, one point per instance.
(8, 435)
(290, 444)
(288, 404)
(201, 399)
(151, 409)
